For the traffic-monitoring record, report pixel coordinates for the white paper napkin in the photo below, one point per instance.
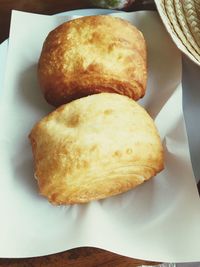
(159, 220)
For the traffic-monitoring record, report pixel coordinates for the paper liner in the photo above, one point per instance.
(150, 222)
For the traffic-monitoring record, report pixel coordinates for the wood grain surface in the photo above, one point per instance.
(79, 257)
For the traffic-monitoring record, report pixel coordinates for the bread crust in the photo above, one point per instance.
(91, 55)
(93, 148)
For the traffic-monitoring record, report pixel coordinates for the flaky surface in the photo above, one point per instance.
(93, 148)
(91, 55)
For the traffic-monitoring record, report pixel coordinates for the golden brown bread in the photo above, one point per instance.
(93, 148)
(91, 55)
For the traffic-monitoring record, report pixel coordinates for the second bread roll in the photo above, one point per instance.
(91, 55)
(93, 148)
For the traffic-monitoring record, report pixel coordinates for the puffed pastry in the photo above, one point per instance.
(91, 55)
(93, 148)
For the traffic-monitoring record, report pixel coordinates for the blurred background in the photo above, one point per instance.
(50, 7)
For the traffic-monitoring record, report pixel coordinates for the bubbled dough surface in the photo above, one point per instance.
(91, 55)
(95, 147)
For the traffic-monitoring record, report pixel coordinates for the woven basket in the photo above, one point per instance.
(182, 20)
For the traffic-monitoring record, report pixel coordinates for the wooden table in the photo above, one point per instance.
(79, 257)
